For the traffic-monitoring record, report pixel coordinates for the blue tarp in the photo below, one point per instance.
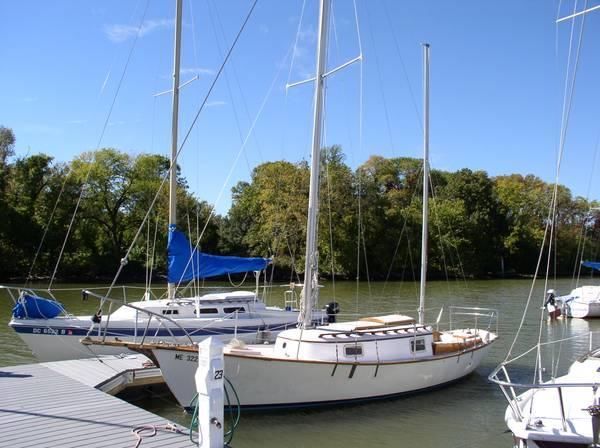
(36, 307)
(591, 264)
(185, 266)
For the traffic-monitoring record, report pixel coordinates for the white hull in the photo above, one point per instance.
(57, 347)
(579, 309)
(582, 302)
(58, 338)
(261, 382)
(542, 410)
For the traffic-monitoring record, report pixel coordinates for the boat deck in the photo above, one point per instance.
(62, 404)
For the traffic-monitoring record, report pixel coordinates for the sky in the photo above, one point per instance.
(81, 75)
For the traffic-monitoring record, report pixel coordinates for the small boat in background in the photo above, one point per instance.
(583, 301)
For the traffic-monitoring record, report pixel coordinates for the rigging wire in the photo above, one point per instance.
(191, 127)
(153, 253)
(459, 264)
(380, 84)
(585, 224)
(228, 85)
(551, 211)
(110, 110)
(43, 239)
(241, 150)
(360, 149)
(553, 214)
(404, 71)
(275, 245)
(28, 278)
(236, 78)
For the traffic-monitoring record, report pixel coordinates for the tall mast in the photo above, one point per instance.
(174, 126)
(310, 292)
(425, 229)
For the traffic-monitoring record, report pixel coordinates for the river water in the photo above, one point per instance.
(466, 414)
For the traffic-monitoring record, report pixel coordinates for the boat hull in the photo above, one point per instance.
(557, 416)
(59, 339)
(581, 302)
(274, 383)
(579, 309)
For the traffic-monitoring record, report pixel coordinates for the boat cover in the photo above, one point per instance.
(591, 264)
(34, 307)
(186, 263)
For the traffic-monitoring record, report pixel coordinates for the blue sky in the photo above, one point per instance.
(497, 84)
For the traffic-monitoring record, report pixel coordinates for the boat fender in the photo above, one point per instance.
(331, 309)
(96, 318)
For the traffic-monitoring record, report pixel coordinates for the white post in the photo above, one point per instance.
(311, 266)
(174, 127)
(425, 228)
(209, 384)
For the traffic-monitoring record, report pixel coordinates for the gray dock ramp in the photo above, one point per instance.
(41, 407)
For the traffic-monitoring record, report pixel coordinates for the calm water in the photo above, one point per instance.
(467, 414)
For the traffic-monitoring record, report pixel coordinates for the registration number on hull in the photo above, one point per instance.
(189, 358)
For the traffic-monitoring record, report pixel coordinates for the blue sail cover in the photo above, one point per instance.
(185, 266)
(35, 307)
(591, 264)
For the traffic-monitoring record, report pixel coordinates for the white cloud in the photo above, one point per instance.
(120, 33)
(216, 103)
(196, 71)
(42, 129)
(29, 99)
(302, 54)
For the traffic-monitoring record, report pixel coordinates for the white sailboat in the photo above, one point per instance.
(562, 412)
(582, 301)
(370, 358)
(53, 334)
(549, 410)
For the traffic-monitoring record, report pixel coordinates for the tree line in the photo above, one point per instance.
(85, 214)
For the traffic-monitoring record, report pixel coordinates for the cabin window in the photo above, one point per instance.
(284, 345)
(207, 311)
(170, 311)
(417, 345)
(233, 309)
(353, 350)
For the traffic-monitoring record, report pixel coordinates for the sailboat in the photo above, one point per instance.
(582, 301)
(545, 409)
(53, 334)
(370, 358)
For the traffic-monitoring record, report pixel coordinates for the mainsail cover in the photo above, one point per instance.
(186, 263)
(591, 264)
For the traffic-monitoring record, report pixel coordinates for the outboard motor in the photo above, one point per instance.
(331, 309)
(551, 305)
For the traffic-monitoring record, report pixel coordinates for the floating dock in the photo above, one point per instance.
(67, 404)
